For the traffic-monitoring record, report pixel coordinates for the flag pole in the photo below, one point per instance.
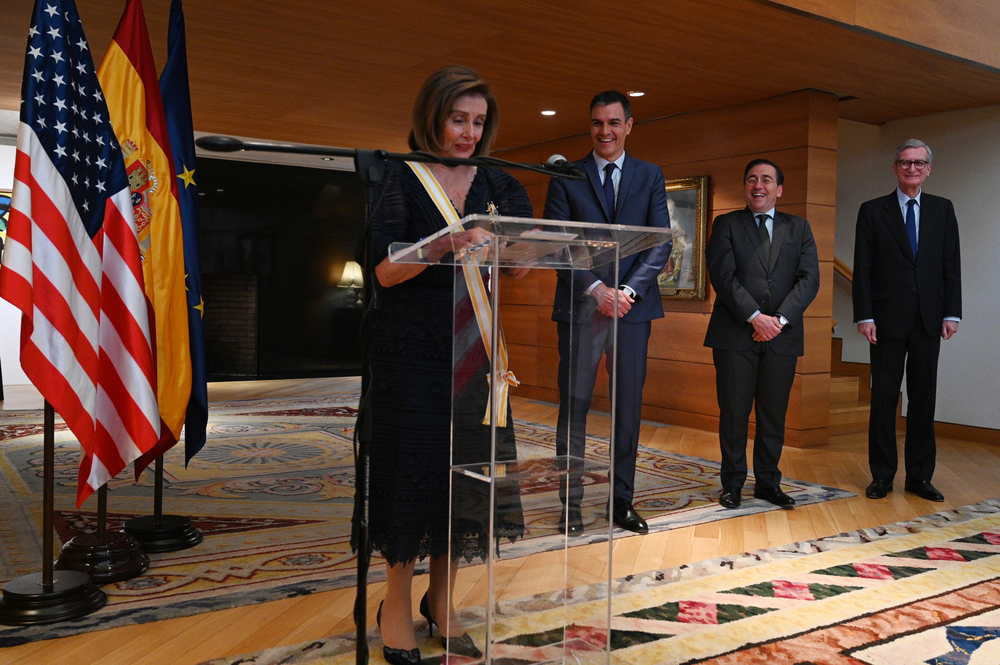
(106, 556)
(40, 598)
(158, 533)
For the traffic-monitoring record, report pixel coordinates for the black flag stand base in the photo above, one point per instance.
(158, 533)
(28, 601)
(106, 556)
(41, 598)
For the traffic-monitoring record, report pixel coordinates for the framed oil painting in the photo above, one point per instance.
(684, 277)
(4, 215)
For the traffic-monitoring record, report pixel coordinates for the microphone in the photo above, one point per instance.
(559, 164)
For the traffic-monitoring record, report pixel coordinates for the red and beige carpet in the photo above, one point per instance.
(272, 493)
(925, 591)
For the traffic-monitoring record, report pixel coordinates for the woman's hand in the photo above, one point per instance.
(471, 240)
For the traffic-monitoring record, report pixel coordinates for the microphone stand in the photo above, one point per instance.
(370, 166)
(364, 160)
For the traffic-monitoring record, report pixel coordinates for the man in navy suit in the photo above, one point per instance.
(765, 271)
(907, 296)
(619, 189)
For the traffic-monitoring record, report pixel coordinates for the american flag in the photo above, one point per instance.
(71, 263)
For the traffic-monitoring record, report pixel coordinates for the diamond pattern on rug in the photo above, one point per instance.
(793, 590)
(872, 571)
(941, 554)
(692, 611)
(982, 539)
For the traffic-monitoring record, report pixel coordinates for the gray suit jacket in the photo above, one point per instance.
(745, 281)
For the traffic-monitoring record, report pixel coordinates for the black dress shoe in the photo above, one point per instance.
(923, 489)
(730, 497)
(570, 521)
(877, 489)
(775, 496)
(626, 517)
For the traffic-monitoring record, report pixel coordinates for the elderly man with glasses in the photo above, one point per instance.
(907, 296)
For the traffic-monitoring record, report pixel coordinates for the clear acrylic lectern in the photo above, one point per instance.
(508, 485)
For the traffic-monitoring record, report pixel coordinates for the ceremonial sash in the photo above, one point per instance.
(477, 294)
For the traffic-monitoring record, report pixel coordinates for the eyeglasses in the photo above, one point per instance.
(905, 164)
(765, 180)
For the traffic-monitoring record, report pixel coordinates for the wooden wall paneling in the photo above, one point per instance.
(534, 365)
(673, 337)
(681, 386)
(817, 346)
(823, 224)
(541, 393)
(809, 402)
(822, 305)
(824, 124)
(822, 181)
(700, 421)
(536, 288)
(766, 125)
(529, 325)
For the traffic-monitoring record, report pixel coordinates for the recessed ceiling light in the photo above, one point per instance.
(548, 112)
(635, 93)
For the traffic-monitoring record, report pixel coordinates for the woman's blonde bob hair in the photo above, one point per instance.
(434, 103)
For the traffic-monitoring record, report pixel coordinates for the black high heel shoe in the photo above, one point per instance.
(463, 646)
(396, 656)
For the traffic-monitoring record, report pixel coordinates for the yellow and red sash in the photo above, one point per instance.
(477, 293)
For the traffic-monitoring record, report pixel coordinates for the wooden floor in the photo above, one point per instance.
(966, 473)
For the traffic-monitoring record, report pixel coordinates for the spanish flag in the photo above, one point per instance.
(128, 78)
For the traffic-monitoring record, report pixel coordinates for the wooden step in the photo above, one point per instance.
(847, 413)
(843, 390)
(849, 419)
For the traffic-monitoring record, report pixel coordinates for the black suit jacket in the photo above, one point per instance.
(642, 201)
(745, 281)
(890, 284)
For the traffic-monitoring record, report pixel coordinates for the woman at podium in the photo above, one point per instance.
(412, 344)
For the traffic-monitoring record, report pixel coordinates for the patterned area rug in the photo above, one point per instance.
(272, 493)
(925, 591)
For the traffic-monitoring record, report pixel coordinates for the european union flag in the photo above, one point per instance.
(177, 107)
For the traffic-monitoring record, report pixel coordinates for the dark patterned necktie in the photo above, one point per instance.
(765, 238)
(609, 188)
(911, 225)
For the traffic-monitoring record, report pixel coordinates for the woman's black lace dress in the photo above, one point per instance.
(411, 387)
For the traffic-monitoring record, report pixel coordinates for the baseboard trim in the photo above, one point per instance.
(956, 431)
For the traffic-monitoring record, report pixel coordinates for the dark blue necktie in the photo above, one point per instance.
(911, 225)
(609, 188)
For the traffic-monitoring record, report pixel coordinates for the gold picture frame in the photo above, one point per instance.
(685, 276)
(5, 199)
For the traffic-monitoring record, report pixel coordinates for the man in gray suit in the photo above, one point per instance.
(765, 271)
